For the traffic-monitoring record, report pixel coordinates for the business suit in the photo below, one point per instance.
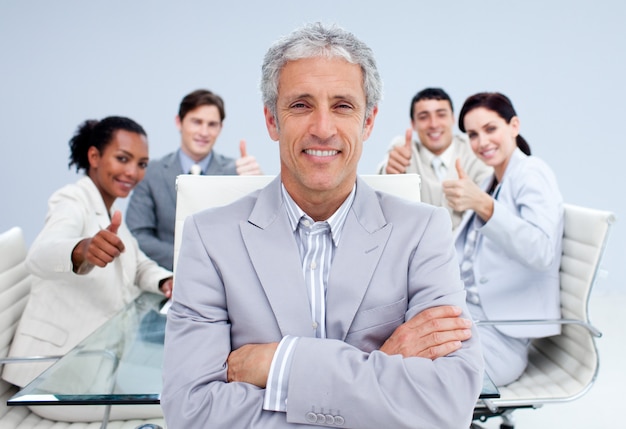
(63, 307)
(253, 291)
(430, 187)
(151, 212)
(516, 264)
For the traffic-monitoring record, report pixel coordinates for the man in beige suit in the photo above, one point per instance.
(434, 155)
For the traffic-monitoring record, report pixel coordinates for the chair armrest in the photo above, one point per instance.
(26, 359)
(593, 330)
(489, 404)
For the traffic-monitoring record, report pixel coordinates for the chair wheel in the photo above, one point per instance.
(149, 426)
(505, 426)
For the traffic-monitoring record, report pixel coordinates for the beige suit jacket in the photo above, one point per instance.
(431, 189)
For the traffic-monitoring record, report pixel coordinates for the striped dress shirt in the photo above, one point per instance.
(317, 242)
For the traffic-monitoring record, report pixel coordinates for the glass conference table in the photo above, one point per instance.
(120, 363)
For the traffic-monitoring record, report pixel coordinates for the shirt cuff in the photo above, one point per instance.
(277, 386)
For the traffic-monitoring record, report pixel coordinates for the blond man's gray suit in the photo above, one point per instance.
(239, 280)
(151, 212)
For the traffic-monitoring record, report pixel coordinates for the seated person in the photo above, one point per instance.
(272, 325)
(86, 264)
(434, 154)
(151, 211)
(509, 241)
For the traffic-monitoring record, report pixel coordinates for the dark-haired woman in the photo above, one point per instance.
(86, 264)
(509, 241)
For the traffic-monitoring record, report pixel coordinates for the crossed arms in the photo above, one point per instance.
(226, 321)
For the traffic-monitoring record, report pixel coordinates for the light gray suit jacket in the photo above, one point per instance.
(519, 249)
(239, 280)
(151, 212)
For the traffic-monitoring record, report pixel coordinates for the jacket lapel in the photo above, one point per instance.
(276, 260)
(170, 171)
(362, 242)
(96, 203)
(220, 166)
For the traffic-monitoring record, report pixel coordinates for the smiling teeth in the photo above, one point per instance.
(321, 152)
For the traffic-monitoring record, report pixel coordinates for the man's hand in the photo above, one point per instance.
(433, 333)
(251, 363)
(247, 165)
(167, 286)
(400, 156)
(463, 194)
(99, 250)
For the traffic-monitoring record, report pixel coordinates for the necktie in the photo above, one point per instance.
(195, 169)
(467, 263)
(439, 167)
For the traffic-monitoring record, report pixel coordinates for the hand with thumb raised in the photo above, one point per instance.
(247, 164)
(463, 194)
(116, 221)
(408, 139)
(99, 250)
(400, 156)
(459, 169)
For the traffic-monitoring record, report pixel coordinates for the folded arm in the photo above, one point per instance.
(328, 376)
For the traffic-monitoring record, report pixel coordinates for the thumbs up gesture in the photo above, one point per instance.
(99, 250)
(459, 169)
(116, 221)
(247, 165)
(400, 156)
(463, 194)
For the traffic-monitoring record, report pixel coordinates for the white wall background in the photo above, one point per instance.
(562, 62)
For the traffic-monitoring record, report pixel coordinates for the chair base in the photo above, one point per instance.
(506, 414)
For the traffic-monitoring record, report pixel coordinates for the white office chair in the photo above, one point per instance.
(562, 367)
(195, 193)
(15, 283)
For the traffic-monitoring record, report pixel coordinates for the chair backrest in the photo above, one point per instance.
(14, 289)
(14, 285)
(565, 366)
(195, 193)
(585, 235)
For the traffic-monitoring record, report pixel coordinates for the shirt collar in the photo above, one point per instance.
(446, 156)
(186, 162)
(336, 221)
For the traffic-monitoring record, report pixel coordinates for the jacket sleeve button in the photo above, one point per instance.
(311, 417)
